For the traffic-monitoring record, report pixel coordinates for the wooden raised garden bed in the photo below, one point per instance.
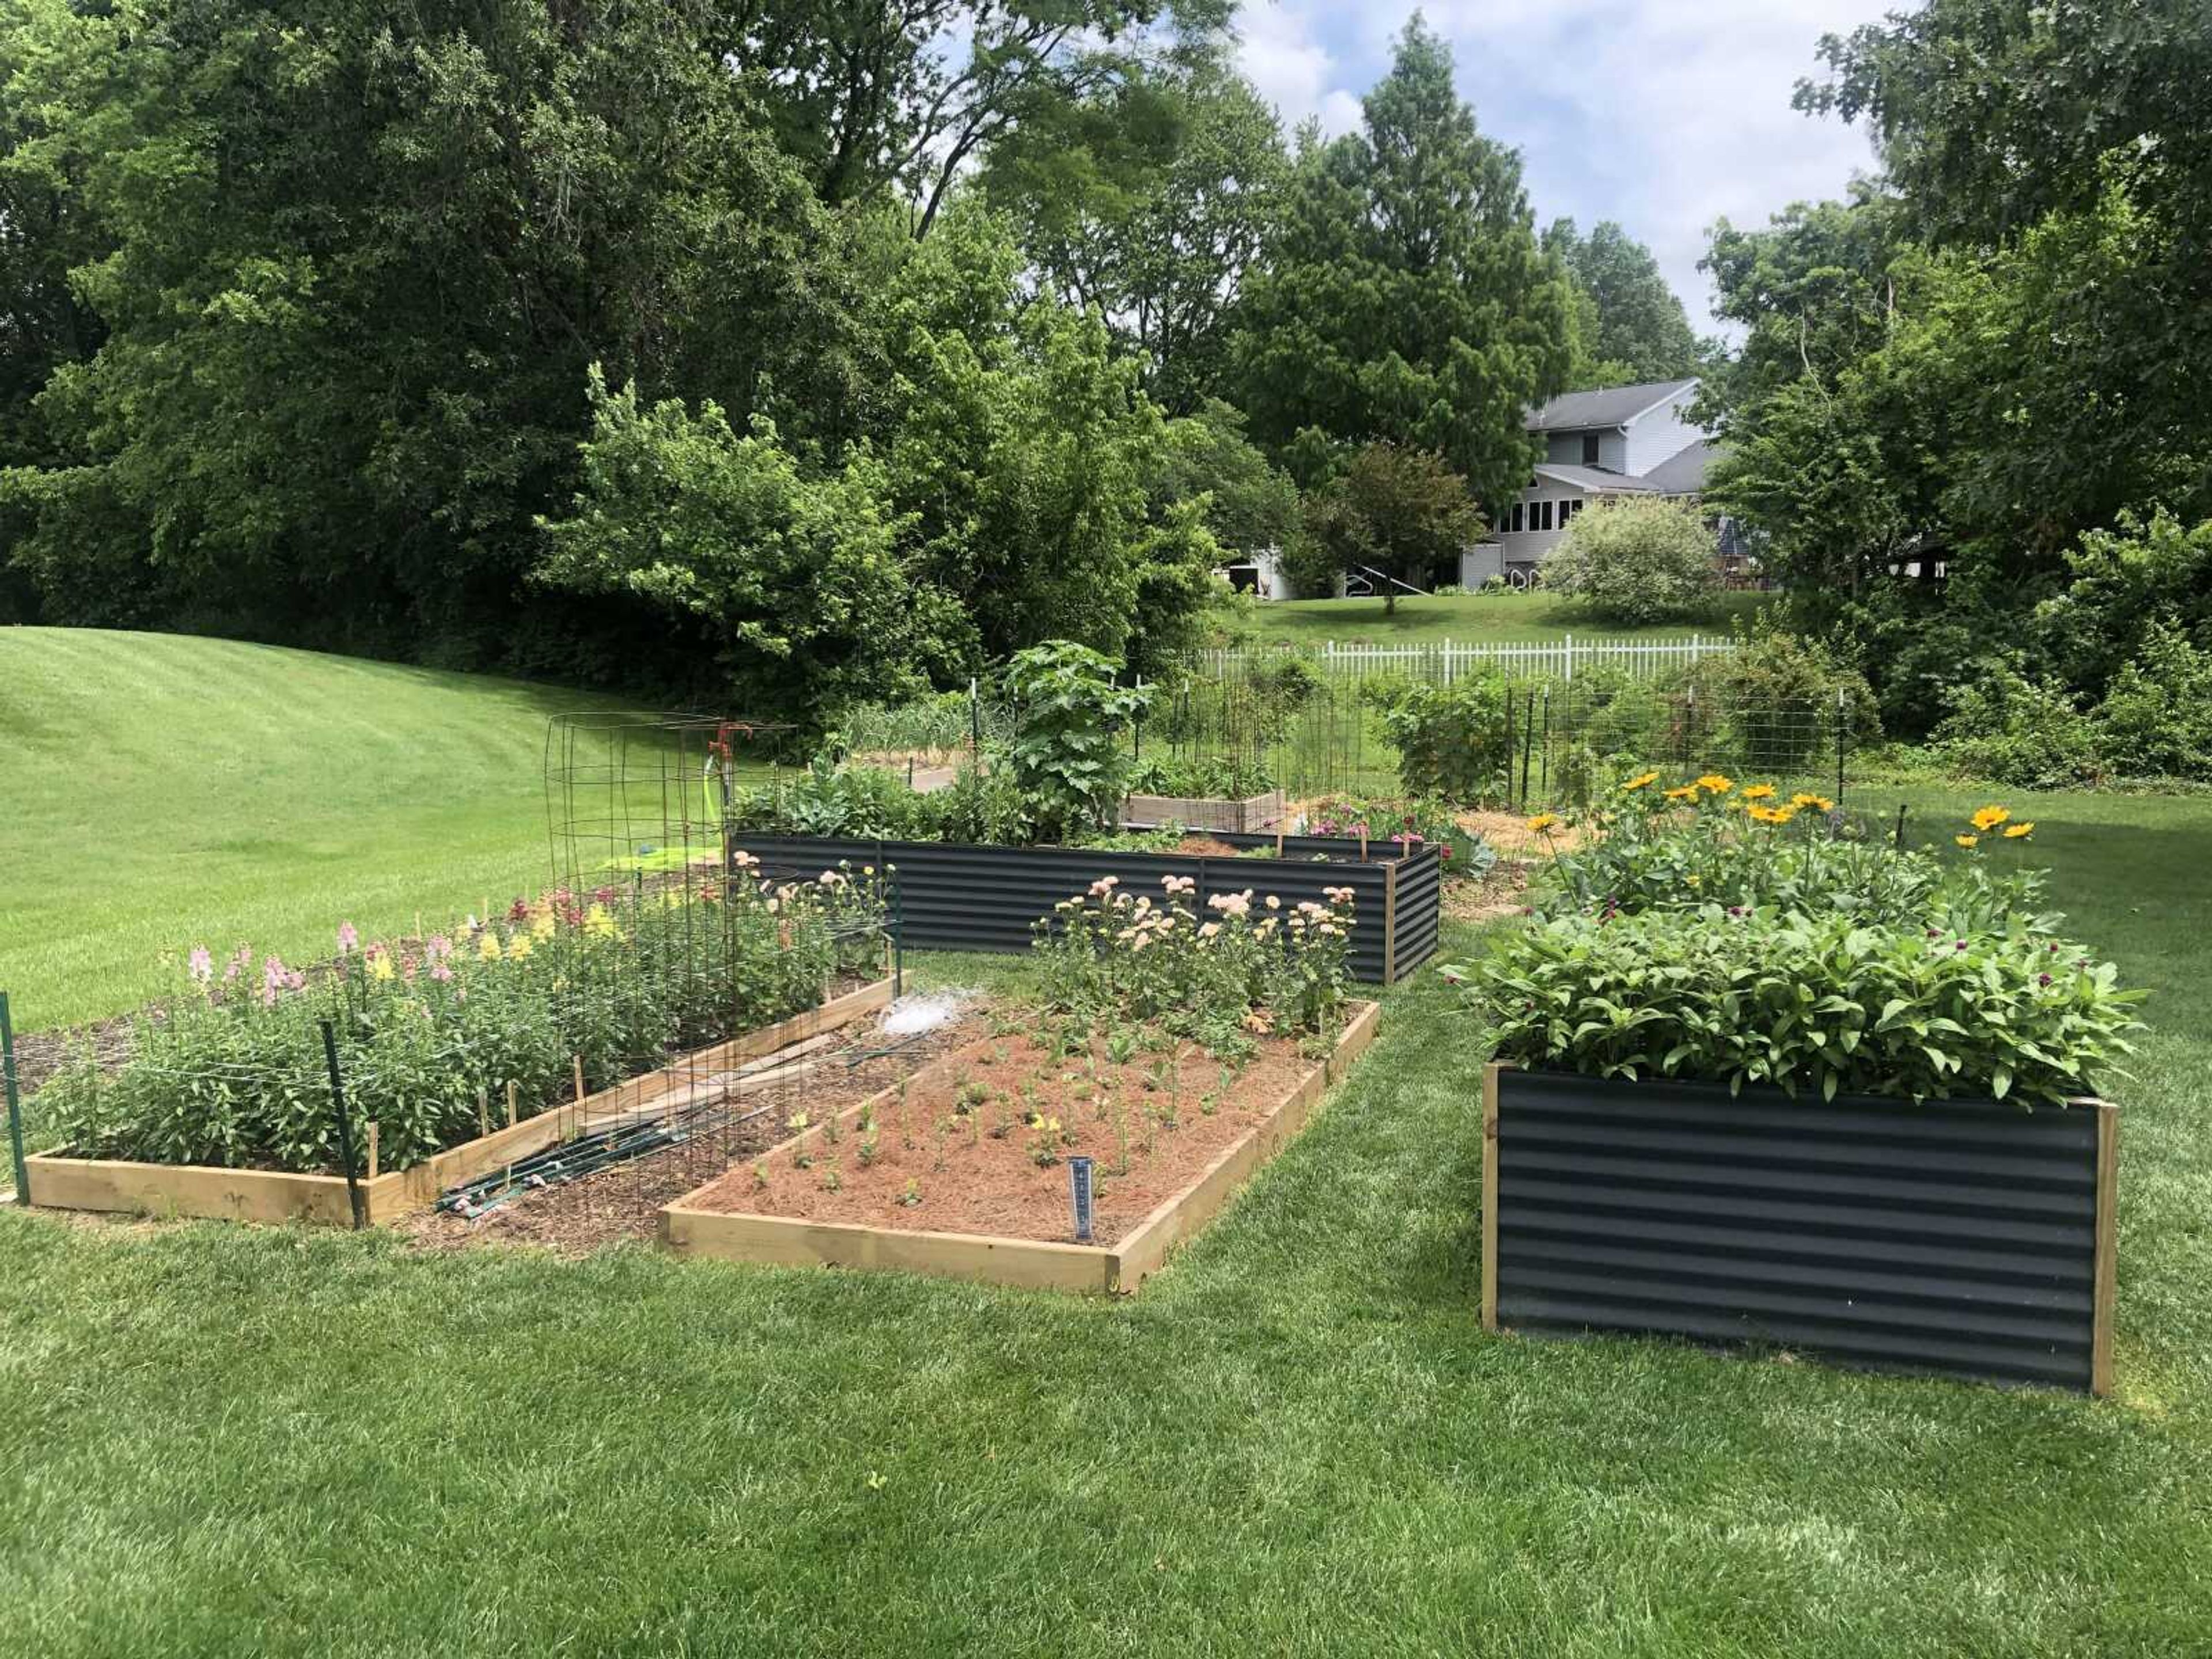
(952, 895)
(1250, 815)
(979, 1207)
(59, 1181)
(1970, 1238)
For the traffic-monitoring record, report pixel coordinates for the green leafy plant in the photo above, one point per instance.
(1823, 1004)
(1068, 756)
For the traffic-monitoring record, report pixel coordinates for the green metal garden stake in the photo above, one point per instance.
(354, 1197)
(14, 1104)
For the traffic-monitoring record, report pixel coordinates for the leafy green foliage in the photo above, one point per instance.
(232, 1074)
(1827, 1004)
(1067, 755)
(1216, 777)
(1636, 561)
(1402, 295)
(1400, 512)
(1451, 740)
(1635, 328)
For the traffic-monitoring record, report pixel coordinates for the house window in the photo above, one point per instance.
(1567, 511)
(1589, 449)
(1543, 515)
(1516, 525)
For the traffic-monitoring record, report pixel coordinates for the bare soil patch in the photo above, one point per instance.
(1502, 892)
(1511, 835)
(960, 1153)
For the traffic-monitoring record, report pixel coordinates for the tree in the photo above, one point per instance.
(1401, 513)
(1641, 331)
(1403, 296)
(1149, 200)
(800, 581)
(1636, 561)
(1248, 505)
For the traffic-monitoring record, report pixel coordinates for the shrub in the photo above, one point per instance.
(2156, 719)
(1825, 1004)
(2012, 730)
(1450, 739)
(1636, 561)
(1771, 704)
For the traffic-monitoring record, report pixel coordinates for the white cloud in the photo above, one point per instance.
(1659, 113)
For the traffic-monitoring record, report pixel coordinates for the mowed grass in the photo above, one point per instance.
(1296, 1440)
(1464, 619)
(158, 791)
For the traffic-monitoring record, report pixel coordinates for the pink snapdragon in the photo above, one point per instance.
(349, 939)
(200, 965)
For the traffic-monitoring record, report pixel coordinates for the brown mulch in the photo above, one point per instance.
(39, 1055)
(1503, 893)
(624, 1202)
(1205, 847)
(1510, 834)
(973, 1169)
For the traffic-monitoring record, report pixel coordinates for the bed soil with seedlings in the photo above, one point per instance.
(1503, 891)
(624, 1202)
(960, 1154)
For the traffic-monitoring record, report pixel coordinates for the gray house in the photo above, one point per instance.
(1617, 440)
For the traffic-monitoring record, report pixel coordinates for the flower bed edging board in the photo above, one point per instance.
(954, 896)
(1029, 1264)
(1968, 1239)
(1254, 812)
(59, 1181)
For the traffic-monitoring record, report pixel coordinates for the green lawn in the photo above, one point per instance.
(1467, 618)
(158, 790)
(1296, 1440)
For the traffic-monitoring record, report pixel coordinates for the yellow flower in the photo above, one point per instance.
(488, 946)
(2021, 830)
(380, 966)
(518, 947)
(1541, 822)
(1967, 841)
(1758, 791)
(1820, 801)
(599, 922)
(1640, 782)
(1714, 783)
(1989, 817)
(1783, 815)
(1687, 791)
(541, 924)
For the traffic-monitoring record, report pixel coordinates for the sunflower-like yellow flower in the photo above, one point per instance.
(1687, 791)
(1758, 791)
(1642, 781)
(2020, 831)
(1714, 784)
(1804, 799)
(1542, 822)
(1967, 841)
(1989, 817)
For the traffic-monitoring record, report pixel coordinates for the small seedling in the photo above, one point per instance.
(760, 1175)
(1044, 1145)
(802, 1160)
(796, 1121)
(831, 1181)
(869, 1142)
(912, 1196)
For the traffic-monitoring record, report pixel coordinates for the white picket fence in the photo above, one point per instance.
(1443, 660)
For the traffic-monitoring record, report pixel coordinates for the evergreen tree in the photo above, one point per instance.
(1641, 331)
(1405, 296)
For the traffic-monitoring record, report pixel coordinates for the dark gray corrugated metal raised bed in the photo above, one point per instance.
(954, 897)
(1971, 1238)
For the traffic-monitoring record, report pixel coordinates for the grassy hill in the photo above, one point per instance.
(1465, 618)
(158, 791)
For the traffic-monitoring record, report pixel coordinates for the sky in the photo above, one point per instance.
(1664, 115)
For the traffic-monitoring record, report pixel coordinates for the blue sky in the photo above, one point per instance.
(1662, 115)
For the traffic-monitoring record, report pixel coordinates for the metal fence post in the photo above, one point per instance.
(1842, 738)
(354, 1196)
(15, 1103)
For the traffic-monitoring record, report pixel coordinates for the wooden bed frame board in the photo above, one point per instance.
(59, 1181)
(1023, 1264)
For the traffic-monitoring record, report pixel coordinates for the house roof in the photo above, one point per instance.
(1684, 473)
(1611, 405)
(1594, 479)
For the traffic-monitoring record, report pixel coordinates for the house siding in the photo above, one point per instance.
(1660, 433)
(1529, 546)
(1565, 449)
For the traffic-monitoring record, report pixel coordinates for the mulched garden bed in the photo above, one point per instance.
(624, 1202)
(959, 1157)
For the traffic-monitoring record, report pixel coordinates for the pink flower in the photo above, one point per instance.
(439, 972)
(273, 977)
(349, 940)
(202, 965)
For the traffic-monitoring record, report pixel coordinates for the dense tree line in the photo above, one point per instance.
(1993, 356)
(788, 354)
